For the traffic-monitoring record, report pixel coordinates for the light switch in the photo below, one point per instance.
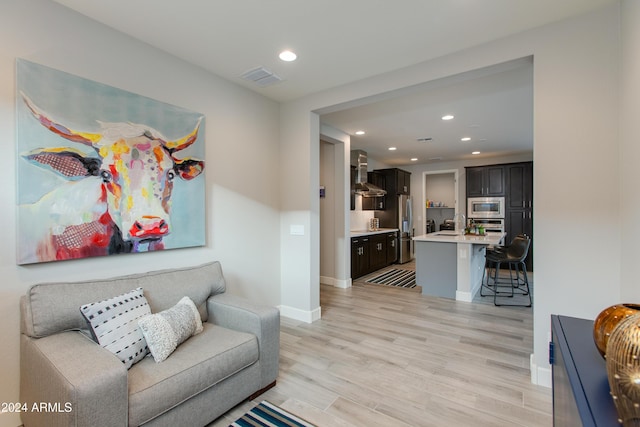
(296, 230)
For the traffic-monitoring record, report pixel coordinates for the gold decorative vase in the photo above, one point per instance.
(607, 320)
(623, 369)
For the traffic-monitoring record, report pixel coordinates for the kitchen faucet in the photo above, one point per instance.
(460, 222)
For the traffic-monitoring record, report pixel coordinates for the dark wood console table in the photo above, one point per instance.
(580, 385)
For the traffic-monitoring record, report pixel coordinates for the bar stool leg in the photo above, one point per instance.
(525, 285)
(486, 272)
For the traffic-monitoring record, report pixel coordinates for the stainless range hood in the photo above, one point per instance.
(364, 188)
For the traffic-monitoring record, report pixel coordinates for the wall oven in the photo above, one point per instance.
(485, 207)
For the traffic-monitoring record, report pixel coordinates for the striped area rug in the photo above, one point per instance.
(395, 277)
(269, 415)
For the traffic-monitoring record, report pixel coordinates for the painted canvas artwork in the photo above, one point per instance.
(96, 174)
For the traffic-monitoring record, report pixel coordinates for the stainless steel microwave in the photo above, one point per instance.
(485, 207)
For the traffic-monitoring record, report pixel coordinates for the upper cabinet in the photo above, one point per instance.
(485, 181)
(375, 203)
(397, 181)
(404, 182)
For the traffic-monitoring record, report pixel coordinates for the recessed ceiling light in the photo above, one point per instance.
(360, 132)
(287, 56)
(414, 159)
(465, 139)
(475, 152)
(447, 117)
(392, 148)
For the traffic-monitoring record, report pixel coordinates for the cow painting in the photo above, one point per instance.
(117, 192)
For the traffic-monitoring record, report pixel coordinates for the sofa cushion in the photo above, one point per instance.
(166, 330)
(114, 324)
(199, 363)
(53, 307)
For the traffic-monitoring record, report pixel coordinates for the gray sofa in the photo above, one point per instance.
(73, 381)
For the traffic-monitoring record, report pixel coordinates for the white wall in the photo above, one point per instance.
(439, 188)
(630, 150)
(242, 162)
(576, 160)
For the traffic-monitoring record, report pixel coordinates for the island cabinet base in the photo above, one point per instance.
(438, 268)
(449, 270)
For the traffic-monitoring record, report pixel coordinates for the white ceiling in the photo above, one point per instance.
(340, 41)
(493, 107)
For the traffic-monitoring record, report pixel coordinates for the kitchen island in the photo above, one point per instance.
(450, 265)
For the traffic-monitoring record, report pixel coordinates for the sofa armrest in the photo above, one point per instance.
(262, 321)
(72, 381)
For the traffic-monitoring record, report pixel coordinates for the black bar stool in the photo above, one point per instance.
(514, 256)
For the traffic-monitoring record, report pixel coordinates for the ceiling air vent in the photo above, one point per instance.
(261, 76)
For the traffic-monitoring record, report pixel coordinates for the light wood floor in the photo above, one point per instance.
(382, 356)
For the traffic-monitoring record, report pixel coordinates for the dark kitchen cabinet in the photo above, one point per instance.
(396, 181)
(485, 181)
(377, 251)
(404, 182)
(520, 222)
(519, 185)
(359, 256)
(519, 204)
(373, 252)
(375, 203)
(392, 248)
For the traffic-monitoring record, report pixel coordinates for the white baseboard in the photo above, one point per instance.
(464, 296)
(468, 296)
(337, 283)
(301, 315)
(540, 375)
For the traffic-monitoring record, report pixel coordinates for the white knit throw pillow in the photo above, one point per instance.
(166, 330)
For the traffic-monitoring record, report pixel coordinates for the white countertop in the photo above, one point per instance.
(358, 233)
(453, 237)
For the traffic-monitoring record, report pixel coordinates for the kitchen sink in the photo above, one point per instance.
(447, 233)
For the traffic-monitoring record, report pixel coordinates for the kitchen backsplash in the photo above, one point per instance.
(360, 219)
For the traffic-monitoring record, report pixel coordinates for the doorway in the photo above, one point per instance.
(384, 110)
(439, 198)
(335, 264)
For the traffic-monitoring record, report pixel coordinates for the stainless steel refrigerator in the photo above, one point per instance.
(405, 225)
